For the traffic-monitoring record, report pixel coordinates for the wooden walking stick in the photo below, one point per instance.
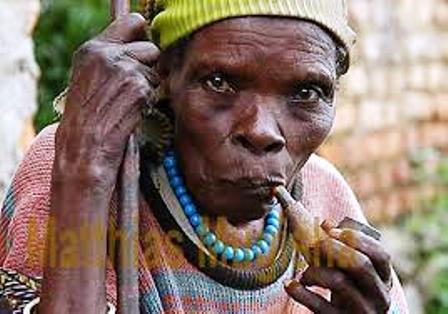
(127, 215)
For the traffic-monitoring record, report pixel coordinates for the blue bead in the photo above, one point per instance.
(273, 214)
(256, 250)
(270, 229)
(201, 230)
(190, 210)
(172, 172)
(228, 253)
(273, 222)
(195, 220)
(249, 255)
(268, 238)
(219, 247)
(176, 182)
(181, 190)
(264, 247)
(169, 162)
(209, 239)
(239, 255)
(185, 200)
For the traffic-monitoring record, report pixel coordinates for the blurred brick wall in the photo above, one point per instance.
(393, 102)
(18, 83)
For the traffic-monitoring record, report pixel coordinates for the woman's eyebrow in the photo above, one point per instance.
(220, 63)
(318, 76)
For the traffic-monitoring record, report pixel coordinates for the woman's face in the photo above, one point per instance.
(253, 99)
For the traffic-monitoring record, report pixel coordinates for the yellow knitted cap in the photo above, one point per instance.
(176, 19)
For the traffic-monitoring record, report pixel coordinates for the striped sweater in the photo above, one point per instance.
(168, 282)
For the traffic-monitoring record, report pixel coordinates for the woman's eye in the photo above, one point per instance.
(308, 94)
(219, 84)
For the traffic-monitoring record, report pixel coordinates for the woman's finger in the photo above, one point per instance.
(150, 74)
(359, 269)
(314, 302)
(142, 51)
(367, 245)
(340, 286)
(125, 29)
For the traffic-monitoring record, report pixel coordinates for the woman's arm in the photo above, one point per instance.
(112, 81)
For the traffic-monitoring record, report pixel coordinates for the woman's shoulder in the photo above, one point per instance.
(44, 141)
(41, 151)
(36, 166)
(327, 193)
(26, 206)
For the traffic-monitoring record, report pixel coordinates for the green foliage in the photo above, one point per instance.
(429, 229)
(63, 26)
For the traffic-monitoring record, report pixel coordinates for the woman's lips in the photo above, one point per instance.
(254, 183)
(260, 189)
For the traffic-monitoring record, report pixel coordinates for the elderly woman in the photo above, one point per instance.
(236, 101)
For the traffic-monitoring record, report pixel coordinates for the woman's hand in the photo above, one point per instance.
(353, 266)
(112, 80)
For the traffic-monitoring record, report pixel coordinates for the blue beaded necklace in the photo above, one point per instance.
(218, 247)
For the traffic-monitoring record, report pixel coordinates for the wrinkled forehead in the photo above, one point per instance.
(255, 39)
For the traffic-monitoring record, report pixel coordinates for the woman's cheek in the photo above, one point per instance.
(306, 137)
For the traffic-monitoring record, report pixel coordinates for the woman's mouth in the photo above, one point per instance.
(260, 189)
(254, 183)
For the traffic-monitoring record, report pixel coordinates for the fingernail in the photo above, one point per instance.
(291, 284)
(335, 233)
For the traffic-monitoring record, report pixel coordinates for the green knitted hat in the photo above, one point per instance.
(176, 19)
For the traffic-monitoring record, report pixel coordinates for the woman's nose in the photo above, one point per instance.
(259, 133)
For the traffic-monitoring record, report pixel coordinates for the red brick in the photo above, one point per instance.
(384, 145)
(417, 106)
(384, 176)
(373, 209)
(434, 134)
(401, 172)
(392, 206)
(353, 154)
(345, 118)
(408, 197)
(442, 107)
(411, 137)
(391, 114)
(364, 183)
(416, 77)
(371, 115)
(373, 146)
(394, 142)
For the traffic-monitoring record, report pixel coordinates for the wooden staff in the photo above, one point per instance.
(119, 7)
(127, 216)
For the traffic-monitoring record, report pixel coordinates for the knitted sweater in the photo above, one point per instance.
(168, 281)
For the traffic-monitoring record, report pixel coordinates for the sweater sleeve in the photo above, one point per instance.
(26, 206)
(25, 213)
(327, 195)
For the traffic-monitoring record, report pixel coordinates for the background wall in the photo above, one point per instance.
(393, 111)
(18, 83)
